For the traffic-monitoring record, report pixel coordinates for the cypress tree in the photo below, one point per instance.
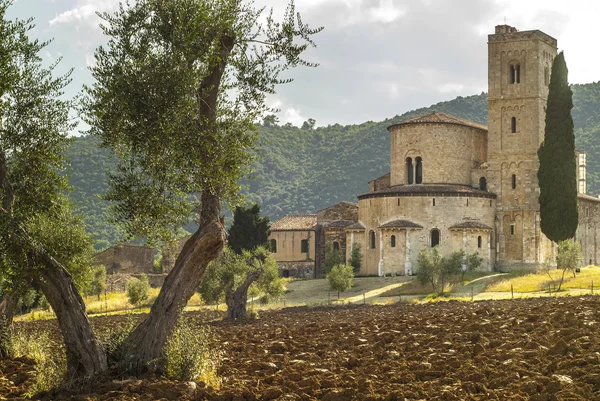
(557, 171)
(248, 229)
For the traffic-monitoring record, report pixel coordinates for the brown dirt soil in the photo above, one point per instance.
(533, 349)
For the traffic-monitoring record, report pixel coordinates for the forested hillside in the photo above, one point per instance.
(306, 169)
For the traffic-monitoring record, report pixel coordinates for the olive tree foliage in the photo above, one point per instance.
(138, 290)
(437, 270)
(356, 257)
(340, 278)
(333, 257)
(568, 257)
(40, 238)
(231, 276)
(179, 87)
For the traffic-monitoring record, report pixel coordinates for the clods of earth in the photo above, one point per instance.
(532, 349)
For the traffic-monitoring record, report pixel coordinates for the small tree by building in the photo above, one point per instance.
(473, 262)
(98, 283)
(138, 290)
(230, 276)
(333, 257)
(438, 270)
(248, 229)
(356, 258)
(568, 257)
(340, 278)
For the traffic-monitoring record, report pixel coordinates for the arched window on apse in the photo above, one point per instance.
(393, 241)
(435, 237)
(273, 246)
(479, 241)
(483, 184)
(515, 73)
(372, 239)
(336, 246)
(409, 170)
(419, 171)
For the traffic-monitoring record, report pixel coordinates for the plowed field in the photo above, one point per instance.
(535, 349)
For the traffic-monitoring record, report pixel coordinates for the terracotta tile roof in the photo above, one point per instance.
(356, 226)
(470, 224)
(292, 222)
(440, 118)
(400, 224)
(338, 223)
(339, 203)
(428, 189)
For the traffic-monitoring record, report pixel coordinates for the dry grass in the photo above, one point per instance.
(314, 292)
(532, 282)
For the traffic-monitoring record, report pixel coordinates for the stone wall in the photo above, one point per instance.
(340, 211)
(380, 183)
(296, 269)
(126, 258)
(447, 212)
(588, 231)
(449, 151)
(289, 246)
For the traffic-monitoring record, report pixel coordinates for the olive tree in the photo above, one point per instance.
(230, 276)
(40, 238)
(178, 89)
(340, 278)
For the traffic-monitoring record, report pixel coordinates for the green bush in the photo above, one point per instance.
(340, 278)
(98, 282)
(189, 355)
(50, 359)
(356, 258)
(438, 270)
(333, 257)
(138, 290)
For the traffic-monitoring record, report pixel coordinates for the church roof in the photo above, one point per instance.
(356, 226)
(339, 203)
(440, 118)
(295, 222)
(338, 223)
(400, 224)
(470, 224)
(428, 190)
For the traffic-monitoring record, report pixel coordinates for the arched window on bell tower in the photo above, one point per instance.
(419, 171)
(514, 70)
(409, 170)
(513, 125)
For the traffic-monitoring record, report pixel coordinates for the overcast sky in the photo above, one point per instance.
(378, 58)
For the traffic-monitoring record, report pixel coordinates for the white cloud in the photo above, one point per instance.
(451, 88)
(292, 115)
(84, 13)
(76, 14)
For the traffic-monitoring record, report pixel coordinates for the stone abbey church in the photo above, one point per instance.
(454, 183)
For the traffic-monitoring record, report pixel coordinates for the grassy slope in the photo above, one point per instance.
(375, 290)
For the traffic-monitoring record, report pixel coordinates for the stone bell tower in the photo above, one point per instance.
(519, 66)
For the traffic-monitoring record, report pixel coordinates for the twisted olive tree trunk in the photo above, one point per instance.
(143, 349)
(85, 355)
(7, 312)
(237, 300)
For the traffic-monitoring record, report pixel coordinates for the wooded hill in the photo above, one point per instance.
(306, 169)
